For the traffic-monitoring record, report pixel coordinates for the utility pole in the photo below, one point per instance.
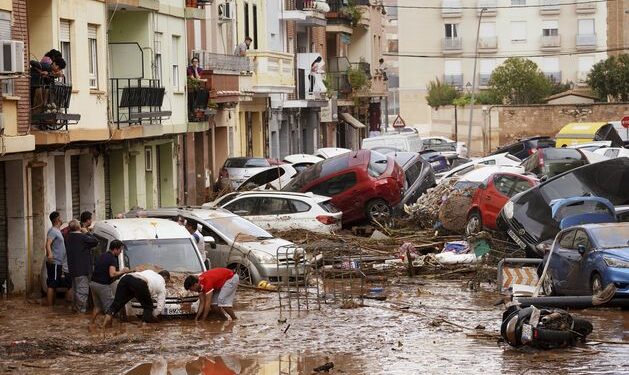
(469, 129)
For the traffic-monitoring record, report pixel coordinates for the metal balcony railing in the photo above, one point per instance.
(302, 5)
(586, 6)
(551, 41)
(198, 99)
(49, 106)
(452, 44)
(221, 62)
(137, 101)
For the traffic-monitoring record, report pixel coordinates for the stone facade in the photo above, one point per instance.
(19, 32)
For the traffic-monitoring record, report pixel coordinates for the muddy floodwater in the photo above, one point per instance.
(419, 329)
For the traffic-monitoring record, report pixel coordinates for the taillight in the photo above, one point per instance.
(326, 220)
(223, 173)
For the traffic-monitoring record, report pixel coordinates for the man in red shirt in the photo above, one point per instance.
(217, 290)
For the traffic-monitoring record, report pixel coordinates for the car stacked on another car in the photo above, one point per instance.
(281, 210)
(363, 184)
(418, 177)
(523, 148)
(236, 170)
(549, 162)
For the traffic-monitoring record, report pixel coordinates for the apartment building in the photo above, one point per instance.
(437, 40)
(618, 26)
(391, 60)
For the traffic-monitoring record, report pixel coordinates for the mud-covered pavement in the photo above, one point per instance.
(415, 331)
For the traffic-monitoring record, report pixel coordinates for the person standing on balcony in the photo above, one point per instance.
(382, 69)
(194, 71)
(315, 77)
(241, 49)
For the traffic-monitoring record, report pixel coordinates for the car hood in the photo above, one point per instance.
(619, 253)
(269, 246)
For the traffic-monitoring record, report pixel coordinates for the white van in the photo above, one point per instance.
(156, 242)
(409, 142)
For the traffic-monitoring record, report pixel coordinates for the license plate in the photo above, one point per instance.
(173, 311)
(516, 239)
(527, 333)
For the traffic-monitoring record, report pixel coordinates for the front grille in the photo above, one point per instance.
(517, 227)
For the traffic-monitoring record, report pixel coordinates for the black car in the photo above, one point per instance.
(418, 177)
(550, 162)
(525, 147)
(527, 216)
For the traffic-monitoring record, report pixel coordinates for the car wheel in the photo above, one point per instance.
(243, 273)
(596, 285)
(378, 210)
(474, 224)
(548, 286)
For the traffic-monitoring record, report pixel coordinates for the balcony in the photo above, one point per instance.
(306, 93)
(224, 75)
(198, 104)
(195, 9)
(136, 101)
(452, 45)
(451, 8)
(488, 44)
(339, 21)
(273, 72)
(550, 42)
(455, 80)
(49, 106)
(337, 77)
(549, 7)
(585, 7)
(553, 76)
(490, 5)
(483, 79)
(586, 41)
(305, 12)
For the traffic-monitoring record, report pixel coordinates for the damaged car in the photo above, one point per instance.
(527, 217)
(272, 178)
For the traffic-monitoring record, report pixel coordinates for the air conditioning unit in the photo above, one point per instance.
(11, 56)
(226, 12)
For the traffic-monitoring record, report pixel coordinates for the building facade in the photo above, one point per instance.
(564, 39)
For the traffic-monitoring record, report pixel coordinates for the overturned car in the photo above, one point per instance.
(527, 217)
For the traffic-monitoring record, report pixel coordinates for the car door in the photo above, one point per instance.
(272, 213)
(495, 197)
(563, 261)
(218, 256)
(344, 193)
(580, 278)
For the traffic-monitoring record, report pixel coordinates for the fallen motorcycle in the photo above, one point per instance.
(542, 328)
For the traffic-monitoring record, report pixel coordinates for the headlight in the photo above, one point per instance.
(615, 263)
(265, 258)
(508, 210)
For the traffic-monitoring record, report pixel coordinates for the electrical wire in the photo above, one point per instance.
(437, 7)
(494, 56)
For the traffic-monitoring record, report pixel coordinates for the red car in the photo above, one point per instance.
(363, 184)
(492, 195)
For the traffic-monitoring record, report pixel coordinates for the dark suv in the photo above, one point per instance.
(363, 184)
(550, 162)
(525, 147)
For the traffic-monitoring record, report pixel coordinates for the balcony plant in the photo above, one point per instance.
(352, 12)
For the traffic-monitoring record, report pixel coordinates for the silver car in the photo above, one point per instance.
(240, 245)
(236, 170)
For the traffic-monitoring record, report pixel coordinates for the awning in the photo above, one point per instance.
(352, 121)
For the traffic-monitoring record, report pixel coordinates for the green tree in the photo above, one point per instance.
(519, 81)
(440, 93)
(609, 79)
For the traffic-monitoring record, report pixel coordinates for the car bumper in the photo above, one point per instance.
(282, 273)
(519, 235)
(620, 278)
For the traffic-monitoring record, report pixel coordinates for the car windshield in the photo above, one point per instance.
(377, 164)
(561, 154)
(232, 226)
(317, 171)
(609, 237)
(246, 163)
(174, 255)
(544, 143)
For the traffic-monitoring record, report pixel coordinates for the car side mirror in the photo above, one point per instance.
(543, 178)
(581, 249)
(211, 241)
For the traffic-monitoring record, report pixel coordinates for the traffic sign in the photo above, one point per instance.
(399, 122)
(624, 122)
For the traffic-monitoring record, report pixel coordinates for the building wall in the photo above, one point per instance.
(415, 72)
(618, 25)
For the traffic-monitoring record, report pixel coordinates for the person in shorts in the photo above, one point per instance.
(217, 291)
(106, 270)
(55, 259)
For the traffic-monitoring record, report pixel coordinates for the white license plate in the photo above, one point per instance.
(173, 311)
(516, 239)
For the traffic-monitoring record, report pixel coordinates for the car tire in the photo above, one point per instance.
(247, 275)
(474, 223)
(378, 210)
(548, 286)
(596, 284)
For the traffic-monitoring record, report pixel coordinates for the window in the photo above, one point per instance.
(335, 185)
(487, 29)
(586, 27)
(518, 31)
(487, 66)
(246, 11)
(93, 55)
(5, 34)
(453, 67)
(157, 47)
(255, 26)
(567, 239)
(518, 2)
(581, 238)
(243, 207)
(197, 34)
(65, 48)
(393, 45)
(504, 184)
(451, 30)
(273, 206)
(550, 28)
(413, 172)
(175, 62)
(299, 206)
(520, 186)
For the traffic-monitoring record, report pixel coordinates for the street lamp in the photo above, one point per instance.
(469, 129)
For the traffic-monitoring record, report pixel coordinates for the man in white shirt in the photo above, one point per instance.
(192, 228)
(144, 286)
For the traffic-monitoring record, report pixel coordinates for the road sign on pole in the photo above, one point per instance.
(399, 122)
(624, 122)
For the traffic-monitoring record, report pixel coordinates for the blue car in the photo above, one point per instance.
(586, 258)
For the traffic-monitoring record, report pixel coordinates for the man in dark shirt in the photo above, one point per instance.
(79, 247)
(105, 272)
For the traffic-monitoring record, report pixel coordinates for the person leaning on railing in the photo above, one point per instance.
(44, 73)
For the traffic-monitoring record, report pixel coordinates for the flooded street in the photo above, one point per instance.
(418, 329)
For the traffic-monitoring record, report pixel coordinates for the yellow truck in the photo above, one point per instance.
(576, 133)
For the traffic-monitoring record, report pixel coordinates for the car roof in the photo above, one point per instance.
(141, 228)
(195, 213)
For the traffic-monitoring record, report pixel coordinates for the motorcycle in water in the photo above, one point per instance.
(542, 328)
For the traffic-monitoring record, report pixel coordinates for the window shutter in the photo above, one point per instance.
(91, 31)
(64, 30)
(5, 25)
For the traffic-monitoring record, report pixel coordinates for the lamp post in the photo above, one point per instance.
(469, 129)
